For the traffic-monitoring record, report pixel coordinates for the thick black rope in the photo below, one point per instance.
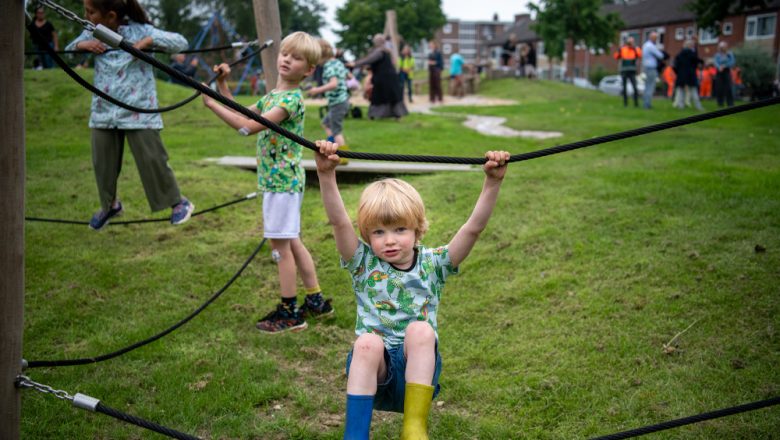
(72, 73)
(440, 159)
(92, 360)
(692, 419)
(148, 220)
(119, 415)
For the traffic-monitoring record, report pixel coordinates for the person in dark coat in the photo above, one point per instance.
(386, 98)
(48, 34)
(686, 85)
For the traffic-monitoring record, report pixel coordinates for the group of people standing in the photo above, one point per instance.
(525, 60)
(387, 85)
(683, 75)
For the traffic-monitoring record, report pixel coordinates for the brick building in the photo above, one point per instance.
(674, 24)
(470, 38)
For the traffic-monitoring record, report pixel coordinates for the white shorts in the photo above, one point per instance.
(282, 215)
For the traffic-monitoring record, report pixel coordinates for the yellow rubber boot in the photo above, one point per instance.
(417, 406)
(343, 161)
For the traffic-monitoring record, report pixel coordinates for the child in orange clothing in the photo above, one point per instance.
(707, 75)
(669, 78)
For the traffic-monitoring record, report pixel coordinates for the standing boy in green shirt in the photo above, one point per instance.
(281, 178)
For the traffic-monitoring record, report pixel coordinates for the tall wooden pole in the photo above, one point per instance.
(11, 213)
(391, 32)
(269, 26)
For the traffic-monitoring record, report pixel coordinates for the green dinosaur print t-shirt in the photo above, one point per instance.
(279, 166)
(388, 299)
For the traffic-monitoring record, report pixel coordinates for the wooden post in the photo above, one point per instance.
(269, 26)
(11, 213)
(391, 30)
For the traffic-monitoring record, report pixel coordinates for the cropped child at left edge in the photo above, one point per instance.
(281, 178)
(129, 80)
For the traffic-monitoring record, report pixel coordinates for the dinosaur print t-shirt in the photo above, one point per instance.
(388, 299)
(279, 166)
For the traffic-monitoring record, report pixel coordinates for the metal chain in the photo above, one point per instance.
(25, 382)
(68, 14)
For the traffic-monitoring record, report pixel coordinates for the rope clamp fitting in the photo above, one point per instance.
(85, 402)
(107, 36)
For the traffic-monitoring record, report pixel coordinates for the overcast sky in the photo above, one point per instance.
(453, 9)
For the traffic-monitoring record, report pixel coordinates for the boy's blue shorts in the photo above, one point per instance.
(390, 394)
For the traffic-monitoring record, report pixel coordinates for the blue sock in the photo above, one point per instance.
(359, 411)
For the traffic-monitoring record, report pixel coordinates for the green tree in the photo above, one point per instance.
(175, 15)
(361, 19)
(295, 15)
(578, 20)
(710, 12)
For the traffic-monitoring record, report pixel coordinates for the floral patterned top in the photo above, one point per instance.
(128, 79)
(279, 166)
(389, 299)
(335, 68)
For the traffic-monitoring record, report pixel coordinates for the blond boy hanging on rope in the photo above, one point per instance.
(281, 177)
(395, 363)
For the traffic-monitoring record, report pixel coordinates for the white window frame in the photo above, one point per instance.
(447, 29)
(755, 19)
(660, 31)
(689, 32)
(728, 28)
(446, 48)
(679, 34)
(707, 36)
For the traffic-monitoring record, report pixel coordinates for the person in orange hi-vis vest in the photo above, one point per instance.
(628, 56)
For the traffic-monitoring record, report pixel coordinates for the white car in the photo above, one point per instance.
(613, 85)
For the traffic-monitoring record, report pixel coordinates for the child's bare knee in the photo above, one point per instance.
(369, 345)
(420, 332)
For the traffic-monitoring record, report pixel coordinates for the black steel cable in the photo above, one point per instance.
(104, 357)
(119, 415)
(148, 220)
(692, 419)
(64, 66)
(440, 159)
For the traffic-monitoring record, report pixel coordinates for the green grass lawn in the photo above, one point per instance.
(554, 329)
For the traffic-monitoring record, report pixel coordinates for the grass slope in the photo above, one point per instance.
(555, 328)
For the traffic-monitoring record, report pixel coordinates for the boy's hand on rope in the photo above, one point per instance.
(94, 46)
(495, 167)
(326, 157)
(223, 70)
(207, 100)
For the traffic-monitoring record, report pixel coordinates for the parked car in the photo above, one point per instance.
(613, 85)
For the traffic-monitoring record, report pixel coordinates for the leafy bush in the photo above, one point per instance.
(757, 70)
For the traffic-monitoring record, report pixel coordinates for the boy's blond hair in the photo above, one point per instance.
(326, 50)
(391, 202)
(303, 44)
